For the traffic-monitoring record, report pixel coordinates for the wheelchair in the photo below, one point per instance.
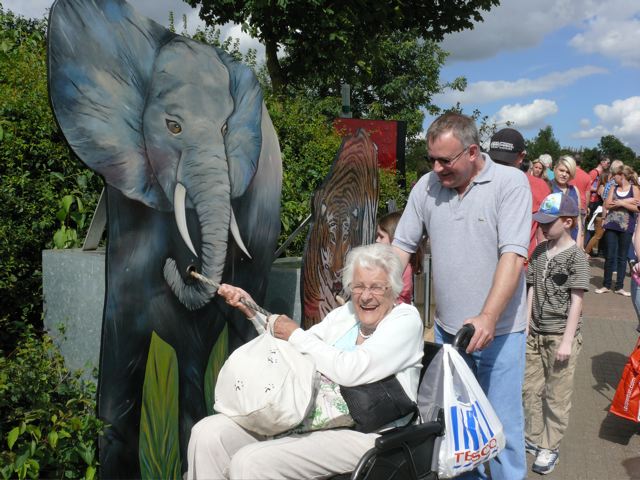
(406, 453)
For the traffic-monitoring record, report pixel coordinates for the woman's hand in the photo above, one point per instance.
(636, 268)
(283, 327)
(233, 296)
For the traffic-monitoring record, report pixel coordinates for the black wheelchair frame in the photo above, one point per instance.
(406, 453)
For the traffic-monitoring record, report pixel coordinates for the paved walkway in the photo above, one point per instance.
(599, 445)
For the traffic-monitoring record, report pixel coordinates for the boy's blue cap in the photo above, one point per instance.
(555, 206)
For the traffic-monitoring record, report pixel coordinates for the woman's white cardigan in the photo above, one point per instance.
(396, 347)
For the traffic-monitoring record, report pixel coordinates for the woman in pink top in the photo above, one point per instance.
(384, 234)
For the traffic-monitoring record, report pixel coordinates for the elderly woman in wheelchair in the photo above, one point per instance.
(369, 339)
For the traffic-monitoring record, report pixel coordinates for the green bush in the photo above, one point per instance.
(309, 145)
(48, 427)
(37, 172)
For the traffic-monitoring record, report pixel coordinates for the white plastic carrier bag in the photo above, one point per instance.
(473, 432)
(266, 386)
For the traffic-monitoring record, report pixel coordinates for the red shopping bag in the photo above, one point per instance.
(626, 401)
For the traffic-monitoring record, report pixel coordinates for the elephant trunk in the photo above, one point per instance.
(206, 182)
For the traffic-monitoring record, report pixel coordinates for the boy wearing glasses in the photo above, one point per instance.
(477, 214)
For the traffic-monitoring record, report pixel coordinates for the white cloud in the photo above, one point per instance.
(29, 9)
(514, 25)
(592, 133)
(490, 91)
(621, 118)
(527, 116)
(618, 39)
(585, 123)
(610, 28)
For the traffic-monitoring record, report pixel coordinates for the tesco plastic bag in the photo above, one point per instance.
(473, 432)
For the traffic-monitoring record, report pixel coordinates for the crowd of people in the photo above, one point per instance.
(510, 249)
(608, 197)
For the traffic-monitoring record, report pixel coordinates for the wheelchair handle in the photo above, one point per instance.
(463, 337)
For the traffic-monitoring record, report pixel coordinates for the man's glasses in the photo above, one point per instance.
(446, 162)
(376, 290)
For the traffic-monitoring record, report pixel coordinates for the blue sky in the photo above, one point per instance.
(571, 64)
(574, 65)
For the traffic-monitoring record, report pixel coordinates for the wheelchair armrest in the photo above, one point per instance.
(396, 437)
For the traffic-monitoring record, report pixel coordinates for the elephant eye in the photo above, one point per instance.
(224, 129)
(174, 127)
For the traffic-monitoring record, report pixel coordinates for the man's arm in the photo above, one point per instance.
(505, 282)
(404, 256)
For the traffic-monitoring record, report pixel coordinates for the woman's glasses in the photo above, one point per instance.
(376, 290)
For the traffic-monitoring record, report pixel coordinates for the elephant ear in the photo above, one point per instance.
(244, 140)
(101, 56)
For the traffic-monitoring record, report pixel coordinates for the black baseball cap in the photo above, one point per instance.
(505, 145)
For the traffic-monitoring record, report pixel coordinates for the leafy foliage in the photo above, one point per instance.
(609, 146)
(37, 173)
(47, 414)
(217, 358)
(590, 158)
(613, 148)
(47, 422)
(544, 142)
(387, 51)
(324, 36)
(394, 81)
(159, 444)
(309, 145)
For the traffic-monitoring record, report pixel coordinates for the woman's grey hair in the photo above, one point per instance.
(461, 126)
(546, 160)
(376, 255)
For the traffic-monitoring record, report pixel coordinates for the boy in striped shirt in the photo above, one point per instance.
(557, 278)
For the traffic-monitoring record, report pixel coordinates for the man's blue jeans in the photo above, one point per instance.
(499, 369)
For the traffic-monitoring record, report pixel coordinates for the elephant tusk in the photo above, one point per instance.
(236, 234)
(179, 196)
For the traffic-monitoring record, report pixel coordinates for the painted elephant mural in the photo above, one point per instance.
(191, 162)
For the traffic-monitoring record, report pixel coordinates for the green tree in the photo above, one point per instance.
(613, 148)
(394, 81)
(544, 142)
(590, 158)
(322, 36)
(309, 145)
(416, 154)
(386, 51)
(37, 170)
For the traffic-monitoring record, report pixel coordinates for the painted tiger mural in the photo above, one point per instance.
(343, 213)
